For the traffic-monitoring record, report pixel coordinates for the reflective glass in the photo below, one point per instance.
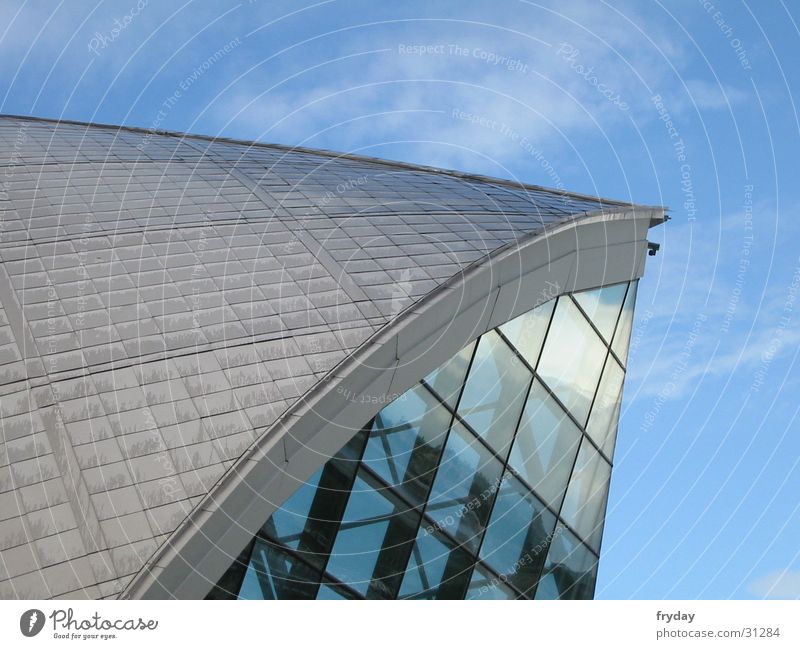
(356, 528)
(572, 359)
(374, 541)
(331, 591)
(275, 574)
(585, 502)
(517, 538)
(406, 441)
(602, 305)
(494, 392)
(464, 488)
(313, 537)
(545, 447)
(288, 521)
(484, 585)
(448, 379)
(526, 332)
(622, 337)
(602, 424)
(436, 570)
(570, 571)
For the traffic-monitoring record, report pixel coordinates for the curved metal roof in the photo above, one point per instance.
(165, 298)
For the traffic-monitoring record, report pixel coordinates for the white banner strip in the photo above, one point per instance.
(400, 624)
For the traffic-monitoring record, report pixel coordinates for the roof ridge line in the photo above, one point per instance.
(505, 182)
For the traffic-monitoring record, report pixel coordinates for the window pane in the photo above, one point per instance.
(331, 591)
(406, 440)
(495, 392)
(516, 541)
(602, 305)
(622, 337)
(288, 521)
(274, 574)
(570, 571)
(465, 484)
(484, 585)
(374, 541)
(526, 332)
(308, 521)
(602, 424)
(545, 447)
(448, 379)
(585, 502)
(572, 359)
(437, 569)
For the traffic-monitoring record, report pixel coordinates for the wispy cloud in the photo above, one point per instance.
(777, 585)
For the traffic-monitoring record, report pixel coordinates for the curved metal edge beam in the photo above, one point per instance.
(585, 253)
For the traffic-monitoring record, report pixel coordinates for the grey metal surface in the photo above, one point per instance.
(164, 299)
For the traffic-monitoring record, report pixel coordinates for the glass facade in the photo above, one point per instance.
(487, 480)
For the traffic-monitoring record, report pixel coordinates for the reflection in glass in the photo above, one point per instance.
(526, 332)
(437, 569)
(484, 585)
(622, 337)
(504, 500)
(406, 441)
(464, 489)
(494, 392)
(374, 541)
(332, 591)
(288, 521)
(602, 306)
(275, 574)
(585, 502)
(572, 359)
(570, 571)
(313, 537)
(602, 426)
(517, 538)
(545, 447)
(448, 379)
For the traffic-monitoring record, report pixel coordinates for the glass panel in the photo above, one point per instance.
(602, 424)
(545, 447)
(572, 359)
(526, 332)
(448, 379)
(602, 305)
(464, 488)
(570, 571)
(406, 441)
(374, 541)
(331, 591)
(516, 542)
(274, 574)
(288, 521)
(484, 585)
(585, 502)
(323, 513)
(494, 392)
(437, 569)
(622, 337)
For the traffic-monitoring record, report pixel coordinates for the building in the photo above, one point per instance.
(231, 369)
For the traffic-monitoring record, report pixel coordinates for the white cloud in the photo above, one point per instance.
(708, 95)
(777, 585)
(549, 102)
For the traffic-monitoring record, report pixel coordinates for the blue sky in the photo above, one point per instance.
(689, 104)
